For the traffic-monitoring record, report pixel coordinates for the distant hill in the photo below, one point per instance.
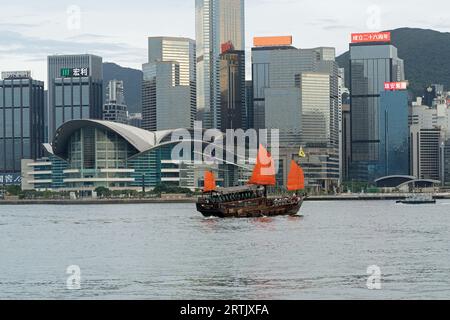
(132, 79)
(426, 54)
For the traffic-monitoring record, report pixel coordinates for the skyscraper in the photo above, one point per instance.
(232, 89)
(342, 100)
(429, 140)
(75, 84)
(372, 64)
(296, 91)
(169, 84)
(249, 104)
(180, 50)
(115, 109)
(217, 22)
(394, 134)
(21, 122)
(115, 92)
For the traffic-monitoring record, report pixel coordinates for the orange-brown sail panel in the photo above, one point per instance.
(210, 182)
(296, 178)
(264, 171)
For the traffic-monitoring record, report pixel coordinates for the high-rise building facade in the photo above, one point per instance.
(180, 50)
(75, 89)
(135, 120)
(232, 90)
(217, 22)
(169, 84)
(429, 141)
(115, 113)
(445, 152)
(21, 122)
(115, 92)
(346, 142)
(297, 92)
(393, 158)
(165, 103)
(249, 104)
(425, 152)
(343, 99)
(431, 93)
(115, 108)
(372, 64)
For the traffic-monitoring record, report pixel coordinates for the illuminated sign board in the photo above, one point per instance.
(16, 75)
(371, 37)
(394, 86)
(74, 72)
(272, 41)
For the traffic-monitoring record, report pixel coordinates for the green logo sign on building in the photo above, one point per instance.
(74, 72)
(65, 72)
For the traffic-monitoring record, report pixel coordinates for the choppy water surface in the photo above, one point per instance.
(169, 251)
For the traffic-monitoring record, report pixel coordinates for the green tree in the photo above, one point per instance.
(13, 190)
(103, 192)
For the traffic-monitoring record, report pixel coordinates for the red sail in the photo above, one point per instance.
(264, 171)
(210, 182)
(296, 178)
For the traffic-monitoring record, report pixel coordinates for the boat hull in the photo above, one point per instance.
(417, 202)
(251, 209)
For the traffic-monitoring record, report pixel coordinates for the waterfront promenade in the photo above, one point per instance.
(193, 199)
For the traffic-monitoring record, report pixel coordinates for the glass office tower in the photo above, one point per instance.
(21, 122)
(169, 84)
(172, 63)
(394, 134)
(249, 104)
(296, 91)
(180, 50)
(217, 22)
(371, 65)
(165, 103)
(75, 89)
(232, 89)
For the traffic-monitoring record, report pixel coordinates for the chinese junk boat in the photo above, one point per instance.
(251, 200)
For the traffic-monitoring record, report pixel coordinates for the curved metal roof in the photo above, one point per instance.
(142, 140)
(395, 177)
(420, 181)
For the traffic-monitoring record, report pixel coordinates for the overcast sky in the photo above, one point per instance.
(117, 29)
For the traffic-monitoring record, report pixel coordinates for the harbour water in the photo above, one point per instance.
(169, 251)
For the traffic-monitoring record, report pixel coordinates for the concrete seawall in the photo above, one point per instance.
(94, 202)
(342, 197)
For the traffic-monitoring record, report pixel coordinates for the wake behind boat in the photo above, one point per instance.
(251, 200)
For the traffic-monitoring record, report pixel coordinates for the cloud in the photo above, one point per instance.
(14, 44)
(10, 25)
(90, 37)
(331, 24)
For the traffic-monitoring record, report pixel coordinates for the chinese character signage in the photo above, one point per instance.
(74, 72)
(394, 86)
(9, 179)
(371, 37)
(16, 75)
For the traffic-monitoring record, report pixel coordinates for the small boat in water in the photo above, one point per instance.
(251, 200)
(418, 198)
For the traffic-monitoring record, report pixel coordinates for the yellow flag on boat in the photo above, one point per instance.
(301, 153)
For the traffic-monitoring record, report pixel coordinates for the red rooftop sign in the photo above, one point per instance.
(393, 86)
(227, 46)
(371, 37)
